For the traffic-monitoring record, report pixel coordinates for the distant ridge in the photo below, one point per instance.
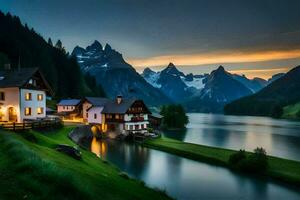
(270, 100)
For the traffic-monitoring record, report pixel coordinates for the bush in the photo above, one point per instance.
(298, 114)
(124, 175)
(254, 163)
(237, 157)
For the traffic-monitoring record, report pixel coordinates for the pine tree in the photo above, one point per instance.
(58, 44)
(50, 42)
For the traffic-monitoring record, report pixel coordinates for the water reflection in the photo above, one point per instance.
(279, 137)
(183, 178)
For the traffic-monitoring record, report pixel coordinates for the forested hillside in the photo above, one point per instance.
(271, 100)
(23, 46)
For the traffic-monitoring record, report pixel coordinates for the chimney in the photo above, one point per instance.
(7, 66)
(119, 99)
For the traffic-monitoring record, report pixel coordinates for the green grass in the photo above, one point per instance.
(291, 111)
(35, 170)
(279, 169)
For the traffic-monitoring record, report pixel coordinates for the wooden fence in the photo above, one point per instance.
(28, 125)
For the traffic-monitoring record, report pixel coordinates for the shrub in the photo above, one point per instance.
(298, 114)
(237, 157)
(124, 175)
(254, 163)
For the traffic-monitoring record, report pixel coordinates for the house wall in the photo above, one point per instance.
(141, 125)
(12, 99)
(91, 115)
(85, 106)
(65, 108)
(128, 117)
(34, 104)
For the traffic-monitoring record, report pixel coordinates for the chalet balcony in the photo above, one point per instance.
(112, 120)
(137, 119)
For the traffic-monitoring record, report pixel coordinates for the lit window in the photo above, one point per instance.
(27, 111)
(2, 96)
(117, 116)
(28, 96)
(40, 110)
(40, 97)
(95, 116)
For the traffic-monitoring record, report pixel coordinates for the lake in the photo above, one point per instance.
(279, 137)
(187, 179)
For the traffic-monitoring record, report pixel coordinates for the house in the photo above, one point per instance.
(23, 95)
(121, 115)
(155, 120)
(70, 109)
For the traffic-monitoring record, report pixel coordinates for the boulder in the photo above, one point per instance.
(69, 150)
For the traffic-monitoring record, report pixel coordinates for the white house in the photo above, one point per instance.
(23, 95)
(119, 115)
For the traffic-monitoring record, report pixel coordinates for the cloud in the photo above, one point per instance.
(215, 58)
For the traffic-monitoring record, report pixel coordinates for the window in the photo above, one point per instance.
(117, 116)
(27, 111)
(2, 96)
(142, 126)
(32, 82)
(40, 110)
(108, 116)
(40, 97)
(28, 96)
(87, 115)
(64, 107)
(95, 116)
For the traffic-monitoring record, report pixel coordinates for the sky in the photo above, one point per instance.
(251, 37)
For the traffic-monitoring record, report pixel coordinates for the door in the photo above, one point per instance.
(12, 114)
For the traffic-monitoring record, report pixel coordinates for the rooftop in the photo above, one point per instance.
(69, 102)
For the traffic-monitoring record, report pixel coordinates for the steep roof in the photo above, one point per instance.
(19, 77)
(69, 102)
(114, 107)
(97, 101)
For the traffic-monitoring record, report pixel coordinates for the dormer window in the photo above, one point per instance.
(32, 82)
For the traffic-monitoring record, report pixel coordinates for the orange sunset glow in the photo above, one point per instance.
(223, 58)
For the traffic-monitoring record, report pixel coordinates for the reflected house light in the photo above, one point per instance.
(98, 147)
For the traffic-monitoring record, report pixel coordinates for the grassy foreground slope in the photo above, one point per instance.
(291, 111)
(32, 169)
(279, 168)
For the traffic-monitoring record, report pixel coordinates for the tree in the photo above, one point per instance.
(174, 117)
(277, 111)
(59, 45)
(3, 60)
(50, 42)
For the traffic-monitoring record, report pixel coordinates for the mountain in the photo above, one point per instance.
(202, 93)
(254, 84)
(270, 100)
(275, 77)
(115, 75)
(22, 46)
(220, 88)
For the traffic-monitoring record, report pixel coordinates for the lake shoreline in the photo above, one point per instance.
(280, 169)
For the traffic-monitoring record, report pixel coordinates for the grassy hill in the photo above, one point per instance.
(292, 111)
(30, 168)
